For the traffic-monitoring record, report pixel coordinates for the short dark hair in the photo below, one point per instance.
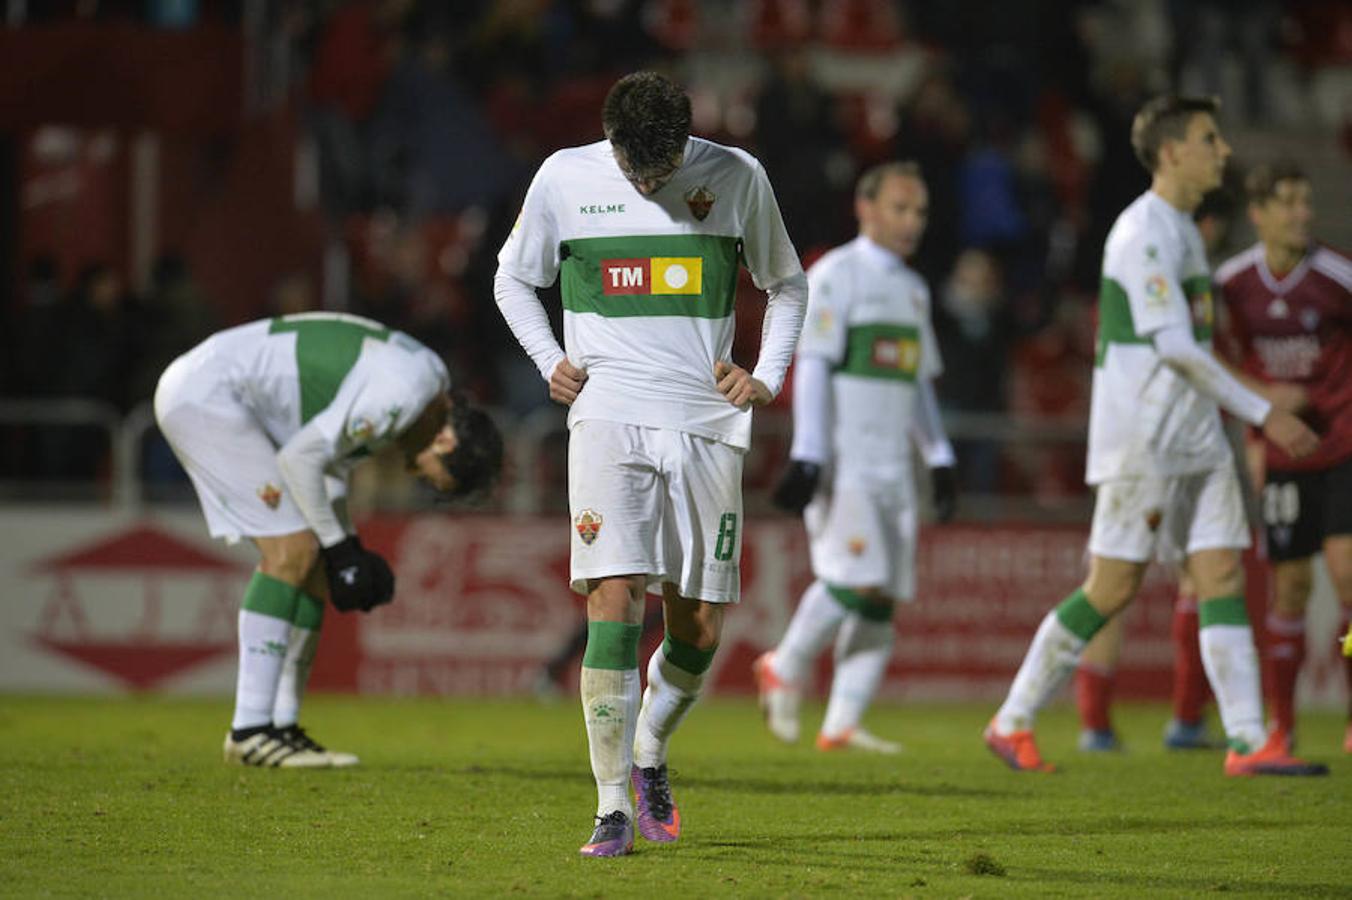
(476, 461)
(872, 180)
(1165, 118)
(648, 118)
(1260, 185)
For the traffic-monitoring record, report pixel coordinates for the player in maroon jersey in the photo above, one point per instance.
(1287, 304)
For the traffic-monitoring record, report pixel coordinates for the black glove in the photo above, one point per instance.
(796, 486)
(944, 480)
(358, 578)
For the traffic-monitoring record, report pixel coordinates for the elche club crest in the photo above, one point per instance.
(270, 494)
(588, 525)
(700, 200)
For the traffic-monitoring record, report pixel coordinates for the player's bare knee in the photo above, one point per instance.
(617, 599)
(695, 622)
(289, 558)
(1338, 560)
(1292, 583)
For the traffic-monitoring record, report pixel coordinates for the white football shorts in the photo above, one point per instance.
(225, 451)
(861, 538)
(1167, 519)
(655, 502)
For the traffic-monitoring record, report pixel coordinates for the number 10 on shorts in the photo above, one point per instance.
(727, 537)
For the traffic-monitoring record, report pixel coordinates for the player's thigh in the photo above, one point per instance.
(615, 500)
(1292, 580)
(233, 467)
(1294, 510)
(849, 539)
(702, 516)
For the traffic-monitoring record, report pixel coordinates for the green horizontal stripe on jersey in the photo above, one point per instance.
(327, 347)
(1116, 325)
(583, 291)
(882, 350)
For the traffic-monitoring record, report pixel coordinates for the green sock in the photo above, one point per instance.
(1079, 618)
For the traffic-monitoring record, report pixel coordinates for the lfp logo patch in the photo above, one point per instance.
(655, 275)
(588, 525)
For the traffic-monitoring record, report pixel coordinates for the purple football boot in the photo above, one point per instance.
(658, 818)
(614, 836)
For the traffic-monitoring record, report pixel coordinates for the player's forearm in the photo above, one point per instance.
(927, 428)
(1200, 368)
(784, 310)
(526, 316)
(302, 463)
(811, 410)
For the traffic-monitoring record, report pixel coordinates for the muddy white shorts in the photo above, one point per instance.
(1167, 519)
(861, 538)
(655, 502)
(225, 451)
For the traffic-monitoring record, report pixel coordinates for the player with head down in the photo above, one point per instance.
(645, 232)
(269, 419)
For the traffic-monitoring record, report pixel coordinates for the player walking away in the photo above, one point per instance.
(645, 231)
(1164, 473)
(269, 419)
(862, 392)
(1288, 304)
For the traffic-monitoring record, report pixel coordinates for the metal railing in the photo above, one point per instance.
(533, 475)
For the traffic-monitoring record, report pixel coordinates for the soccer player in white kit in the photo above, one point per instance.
(862, 393)
(268, 420)
(1165, 477)
(645, 231)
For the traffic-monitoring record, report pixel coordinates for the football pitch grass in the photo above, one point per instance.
(129, 797)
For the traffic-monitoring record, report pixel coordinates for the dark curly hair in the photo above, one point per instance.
(648, 118)
(476, 461)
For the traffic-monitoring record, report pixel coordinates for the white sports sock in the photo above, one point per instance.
(863, 648)
(670, 693)
(1231, 664)
(263, 644)
(300, 656)
(610, 708)
(1051, 658)
(813, 624)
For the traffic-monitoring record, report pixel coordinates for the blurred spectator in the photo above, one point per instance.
(975, 329)
(37, 361)
(173, 318)
(935, 126)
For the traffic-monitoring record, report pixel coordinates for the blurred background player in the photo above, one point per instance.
(645, 230)
(1166, 484)
(268, 420)
(1288, 307)
(862, 392)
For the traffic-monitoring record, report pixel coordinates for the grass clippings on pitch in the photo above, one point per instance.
(478, 798)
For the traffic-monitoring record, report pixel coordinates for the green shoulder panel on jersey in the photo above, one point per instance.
(327, 347)
(1116, 325)
(882, 350)
(691, 275)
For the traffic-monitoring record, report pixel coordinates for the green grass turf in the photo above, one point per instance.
(482, 798)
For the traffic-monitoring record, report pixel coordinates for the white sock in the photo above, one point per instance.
(263, 644)
(610, 708)
(1231, 664)
(813, 624)
(670, 693)
(863, 649)
(1051, 658)
(300, 656)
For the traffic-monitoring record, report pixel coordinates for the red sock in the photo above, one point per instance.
(1094, 695)
(1190, 685)
(1285, 652)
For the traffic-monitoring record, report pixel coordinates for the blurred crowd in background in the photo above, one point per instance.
(418, 125)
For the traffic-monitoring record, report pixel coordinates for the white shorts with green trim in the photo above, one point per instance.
(861, 538)
(1167, 519)
(225, 451)
(655, 502)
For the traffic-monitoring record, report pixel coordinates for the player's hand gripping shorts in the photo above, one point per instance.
(655, 502)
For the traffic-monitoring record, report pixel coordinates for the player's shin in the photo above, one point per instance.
(863, 649)
(264, 637)
(814, 623)
(1052, 656)
(300, 657)
(610, 699)
(675, 677)
(1232, 667)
